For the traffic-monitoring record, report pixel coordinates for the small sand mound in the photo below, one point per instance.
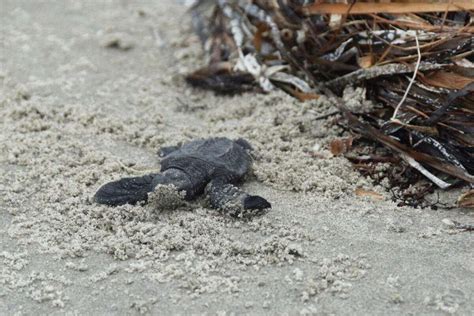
(166, 197)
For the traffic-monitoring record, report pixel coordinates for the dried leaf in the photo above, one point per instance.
(219, 78)
(466, 199)
(366, 61)
(372, 194)
(393, 7)
(340, 146)
(305, 96)
(258, 37)
(446, 79)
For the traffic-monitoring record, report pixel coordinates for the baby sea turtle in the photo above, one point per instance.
(212, 166)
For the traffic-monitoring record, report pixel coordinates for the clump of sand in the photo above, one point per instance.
(118, 40)
(166, 197)
(335, 276)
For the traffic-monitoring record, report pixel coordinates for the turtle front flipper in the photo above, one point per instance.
(231, 200)
(125, 191)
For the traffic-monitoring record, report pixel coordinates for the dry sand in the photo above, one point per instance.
(91, 89)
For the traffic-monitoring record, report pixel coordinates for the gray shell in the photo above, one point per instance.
(211, 158)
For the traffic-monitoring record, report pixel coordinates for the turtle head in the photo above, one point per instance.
(244, 144)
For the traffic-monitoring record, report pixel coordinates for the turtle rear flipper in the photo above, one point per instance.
(125, 191)
(233, 201)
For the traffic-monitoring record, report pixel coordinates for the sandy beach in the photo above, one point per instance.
(89, 92)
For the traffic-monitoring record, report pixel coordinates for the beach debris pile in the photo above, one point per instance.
(414, 60)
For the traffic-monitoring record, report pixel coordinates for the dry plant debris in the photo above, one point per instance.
(415, 60)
